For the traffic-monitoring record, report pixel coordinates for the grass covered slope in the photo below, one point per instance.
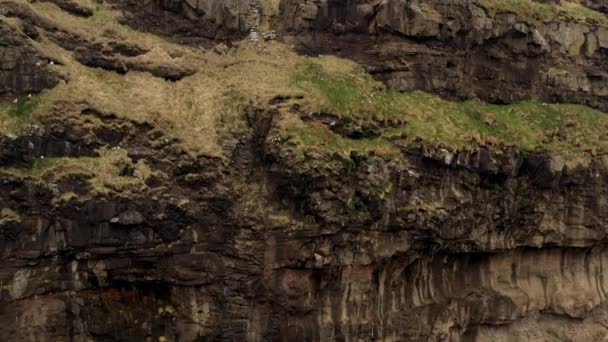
(533, 12)
(200, 110)
(344, 89)
(192, 111)
(14, 114)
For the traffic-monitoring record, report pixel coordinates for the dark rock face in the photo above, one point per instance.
(193, 21)
(37, 141)
(433, 246)
(457, 48)
(599, 5)
(73, 7)
(22, 69)
(112, 59)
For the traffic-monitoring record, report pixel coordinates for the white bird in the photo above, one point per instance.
(15, 100)
(29, 96)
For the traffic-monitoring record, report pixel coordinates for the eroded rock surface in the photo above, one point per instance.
(600, 5)
(194, 21)
(22, 69)
(434, 246)
(458, 48)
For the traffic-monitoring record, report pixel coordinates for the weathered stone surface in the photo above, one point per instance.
(455, 48)
(598, 5)
(113, 60)
(460, 245)
(194, 21)
(603, 38)
(22, 69)
(129, 218)
(73, 7)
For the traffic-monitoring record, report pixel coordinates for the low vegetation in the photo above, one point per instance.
(8, 214)
(309, 136)
(572, 131)
(196, 111)
(534, 12)
(190, 111)
(16, 113)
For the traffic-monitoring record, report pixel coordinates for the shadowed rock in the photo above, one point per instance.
(22, 69)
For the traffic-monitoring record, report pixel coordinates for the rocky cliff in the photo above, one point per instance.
(464, 49)
(302, 170)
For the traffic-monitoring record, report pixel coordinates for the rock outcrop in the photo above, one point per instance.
(194, 21)
(600, 5)
(22, 69)
(461, 49)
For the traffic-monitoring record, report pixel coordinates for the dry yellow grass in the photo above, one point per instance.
(103, 172)
(188, 109)
(197, 110)
(271, 10)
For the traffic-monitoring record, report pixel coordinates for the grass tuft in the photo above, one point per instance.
(13, 115)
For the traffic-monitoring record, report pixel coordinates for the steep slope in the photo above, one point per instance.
(181, 173)
(498, 51)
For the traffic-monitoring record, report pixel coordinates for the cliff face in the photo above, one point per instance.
(462, 49)
(162, 192)
(494, 51)
(479, 248)
(22, 69)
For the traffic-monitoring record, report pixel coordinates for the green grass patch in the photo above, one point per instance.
(527, 10)
(22, 109)
(13, 115)
(582, 13)
(314, 135)
(354, 95)
(37, 169)
(572, 131)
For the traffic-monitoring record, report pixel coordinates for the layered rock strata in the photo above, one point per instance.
(111, 231)
(460, 49)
